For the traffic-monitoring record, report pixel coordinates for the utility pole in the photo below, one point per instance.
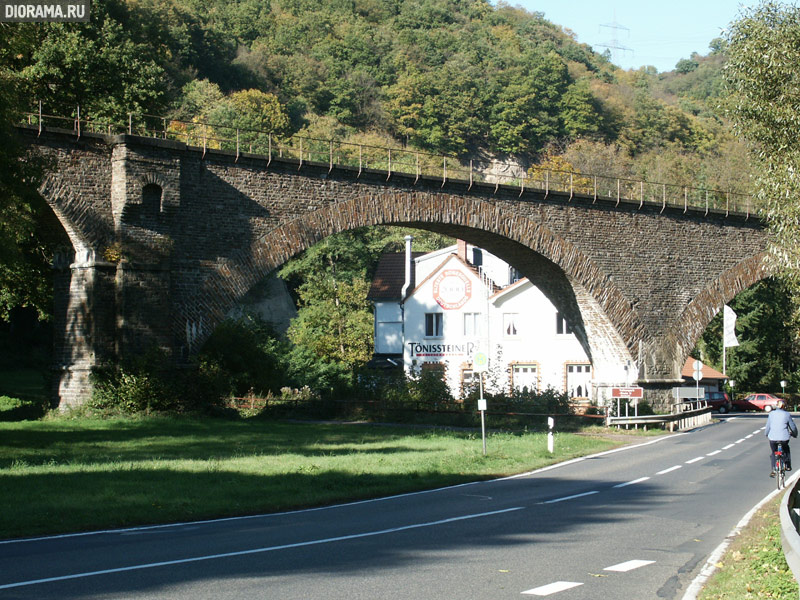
(614, 44)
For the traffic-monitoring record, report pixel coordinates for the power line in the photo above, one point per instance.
(614, 44)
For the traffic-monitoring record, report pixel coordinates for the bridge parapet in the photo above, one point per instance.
(338, 154)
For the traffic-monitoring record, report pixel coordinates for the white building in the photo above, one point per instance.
(437, 310)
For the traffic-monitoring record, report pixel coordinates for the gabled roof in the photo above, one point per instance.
(390, 275)
(517, 284)
(708, 372)
(449, 257)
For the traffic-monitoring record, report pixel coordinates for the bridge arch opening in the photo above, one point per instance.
(612, 361)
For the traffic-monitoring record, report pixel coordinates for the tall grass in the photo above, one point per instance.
(64, 475)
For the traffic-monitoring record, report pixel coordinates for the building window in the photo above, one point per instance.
(469, 378)
(510, 323)
(579, 380)
(525, 377)
(434, 324)
(562, 327)
(472, 324)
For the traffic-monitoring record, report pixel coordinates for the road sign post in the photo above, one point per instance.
(627, 393)
(698, 375)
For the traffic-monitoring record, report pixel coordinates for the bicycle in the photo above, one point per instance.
(780, 467)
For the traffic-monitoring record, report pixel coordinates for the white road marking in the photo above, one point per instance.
(675, 468)
(728, 446)
(747, 437)
(641, 479)
(758, 430)
(714, 453)
(694, 460)
(552, 588)
(629, 565)
(182, 561)
(179, 525)
(569, 497)
(739, 441)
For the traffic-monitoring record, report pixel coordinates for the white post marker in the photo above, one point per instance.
(550, 424)
(479, 364)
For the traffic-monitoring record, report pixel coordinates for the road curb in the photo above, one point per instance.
(710, 566)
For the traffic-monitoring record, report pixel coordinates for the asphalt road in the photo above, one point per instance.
(634, 523)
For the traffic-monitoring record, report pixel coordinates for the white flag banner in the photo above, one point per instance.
(729, 327)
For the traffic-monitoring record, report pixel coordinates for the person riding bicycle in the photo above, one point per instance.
(779, 427)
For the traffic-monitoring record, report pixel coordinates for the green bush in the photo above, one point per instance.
(428, 387)
(243, 355)
(149, 385)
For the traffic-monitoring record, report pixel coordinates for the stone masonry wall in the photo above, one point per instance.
(639, 283)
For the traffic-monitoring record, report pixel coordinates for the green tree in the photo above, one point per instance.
(762, 76)
(97, 66)
(334, 320)
(253, 113)
(29, 231)
(768, 350)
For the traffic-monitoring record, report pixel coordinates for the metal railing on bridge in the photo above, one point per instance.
(210, 136)
(683, 415)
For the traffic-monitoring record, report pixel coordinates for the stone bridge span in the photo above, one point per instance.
(167, 237)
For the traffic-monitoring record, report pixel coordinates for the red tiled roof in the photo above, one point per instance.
(390, 275)
(708, 372)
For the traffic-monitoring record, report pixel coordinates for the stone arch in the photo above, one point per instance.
(608, 324)
(682, 335)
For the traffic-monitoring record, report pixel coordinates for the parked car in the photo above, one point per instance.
(718, 401)
(765, 402)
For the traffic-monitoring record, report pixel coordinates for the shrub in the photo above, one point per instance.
(243, 355)
(428, 387)
(148, 385)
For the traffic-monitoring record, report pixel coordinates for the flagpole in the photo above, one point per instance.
(724, 371)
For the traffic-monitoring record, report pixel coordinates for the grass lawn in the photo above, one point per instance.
(64, 475)
(754, 565)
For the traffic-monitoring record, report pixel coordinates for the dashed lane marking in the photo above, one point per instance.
(640, 480)
(552, 588)
(714, 453)
(569, 497)
(728, 446)
(665, 471)
(630, 565)
(694, 460)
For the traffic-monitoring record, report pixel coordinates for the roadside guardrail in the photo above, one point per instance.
(790, 522)
(684, 415)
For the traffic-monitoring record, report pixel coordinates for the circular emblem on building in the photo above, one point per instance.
(452, 289)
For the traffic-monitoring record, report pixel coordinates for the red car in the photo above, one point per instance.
(765, 402)
(718, 401)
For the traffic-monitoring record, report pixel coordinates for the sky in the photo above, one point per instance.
(653, 33)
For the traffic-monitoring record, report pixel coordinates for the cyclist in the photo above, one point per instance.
(779, 427)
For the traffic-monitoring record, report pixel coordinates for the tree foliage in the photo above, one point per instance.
(767, 352)
(762, 75)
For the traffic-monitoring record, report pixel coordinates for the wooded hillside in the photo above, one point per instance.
(448, 76)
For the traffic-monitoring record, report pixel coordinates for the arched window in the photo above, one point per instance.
(151, 201)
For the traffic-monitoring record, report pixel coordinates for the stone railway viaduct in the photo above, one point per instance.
(166, 238)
